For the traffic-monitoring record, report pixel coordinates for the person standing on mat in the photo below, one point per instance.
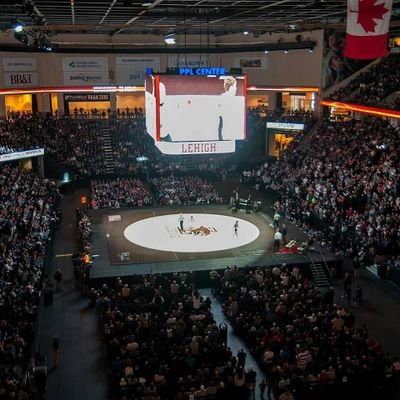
(180, 220)
(235, 229)
(277, 240)
(191, 223)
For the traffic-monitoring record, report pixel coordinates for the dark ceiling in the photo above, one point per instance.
(214, 17)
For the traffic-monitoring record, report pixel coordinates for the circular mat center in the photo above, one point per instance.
(200, 233)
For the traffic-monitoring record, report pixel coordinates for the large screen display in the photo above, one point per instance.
(196, 114)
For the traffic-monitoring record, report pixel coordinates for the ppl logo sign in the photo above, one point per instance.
(21, 79)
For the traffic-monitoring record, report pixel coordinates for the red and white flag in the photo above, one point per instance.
(367, 28)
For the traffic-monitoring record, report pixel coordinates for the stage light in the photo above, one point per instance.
(66, 178)
(18, 28)
(170, 39)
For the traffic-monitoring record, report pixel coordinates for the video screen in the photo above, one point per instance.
(203, 114)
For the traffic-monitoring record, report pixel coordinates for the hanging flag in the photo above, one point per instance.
(367, 28)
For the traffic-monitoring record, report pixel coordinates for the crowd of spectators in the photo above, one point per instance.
(372, 86)
(163, 343)
(304, 342)
(133, 112)
(85, 231)
(27, 217)
(184, 190)
(130, 139)
(75, 145)
(83, 260)
(396, 103)
(343, 187)
(119, 193)
(291, 115)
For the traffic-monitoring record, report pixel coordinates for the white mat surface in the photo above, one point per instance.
(163, 233)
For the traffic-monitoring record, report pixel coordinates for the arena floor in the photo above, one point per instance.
(151, 240)
(154, 235)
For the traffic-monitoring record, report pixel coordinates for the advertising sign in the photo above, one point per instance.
(212, 147)
(92, 64)
(132, 70)
(192, 61)
(19, 64)
(285, 125)
(20, 79)
(80, 78)
(251, 63)
(86, 97)
(21, 154)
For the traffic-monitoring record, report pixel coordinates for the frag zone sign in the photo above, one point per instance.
(87, 97)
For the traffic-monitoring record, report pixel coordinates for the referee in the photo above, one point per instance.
(277, 240)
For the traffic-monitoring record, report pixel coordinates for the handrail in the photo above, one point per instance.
(329, 277)
(326, 264)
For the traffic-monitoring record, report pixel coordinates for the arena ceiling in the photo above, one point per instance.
(214, 17)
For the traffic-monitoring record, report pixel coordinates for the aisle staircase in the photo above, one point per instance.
(320, 272)
(108, 150)
(319, 275)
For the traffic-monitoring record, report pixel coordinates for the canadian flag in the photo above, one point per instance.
(367, 28)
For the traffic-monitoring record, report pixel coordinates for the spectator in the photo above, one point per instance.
(173, 338)
(27, 218)
(55, 349)
(333, 187)
(301, 340)
(58, 280)
(119, 193)
(184, 190)
(372, 86)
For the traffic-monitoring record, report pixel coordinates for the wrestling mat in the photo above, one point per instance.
(201, 233)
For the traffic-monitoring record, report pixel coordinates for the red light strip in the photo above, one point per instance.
(127, 89)
(81, 89)
(363, 109)
(283, 88)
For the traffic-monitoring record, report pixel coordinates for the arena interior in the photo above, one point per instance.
(199, 200)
